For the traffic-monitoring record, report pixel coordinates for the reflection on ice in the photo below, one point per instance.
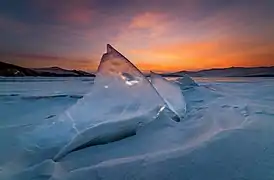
(171, 94)
(129, 79)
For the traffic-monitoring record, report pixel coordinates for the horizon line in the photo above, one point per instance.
(147, 70)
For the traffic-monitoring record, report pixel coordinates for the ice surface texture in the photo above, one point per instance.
(227, 134)
(172, 95)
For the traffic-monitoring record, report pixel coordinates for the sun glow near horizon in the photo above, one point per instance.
(164, 36)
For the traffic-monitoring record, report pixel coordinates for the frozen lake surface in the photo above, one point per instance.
(227, 133)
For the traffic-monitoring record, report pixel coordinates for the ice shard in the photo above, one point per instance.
(186, 81)
(120, 100)
(171, 94)
(119, 90)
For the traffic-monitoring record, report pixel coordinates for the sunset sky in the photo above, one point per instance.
(163, 35)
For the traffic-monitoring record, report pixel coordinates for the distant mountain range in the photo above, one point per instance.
(227, 72)
(13, 70)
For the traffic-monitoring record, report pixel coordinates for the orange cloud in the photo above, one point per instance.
(160, 41)
(142, 29)
(147, 20)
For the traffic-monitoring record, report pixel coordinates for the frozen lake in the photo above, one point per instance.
(227, 134)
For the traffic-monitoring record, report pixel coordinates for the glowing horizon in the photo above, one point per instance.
(159, 36)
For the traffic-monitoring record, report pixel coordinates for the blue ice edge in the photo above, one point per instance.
(104, 133)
